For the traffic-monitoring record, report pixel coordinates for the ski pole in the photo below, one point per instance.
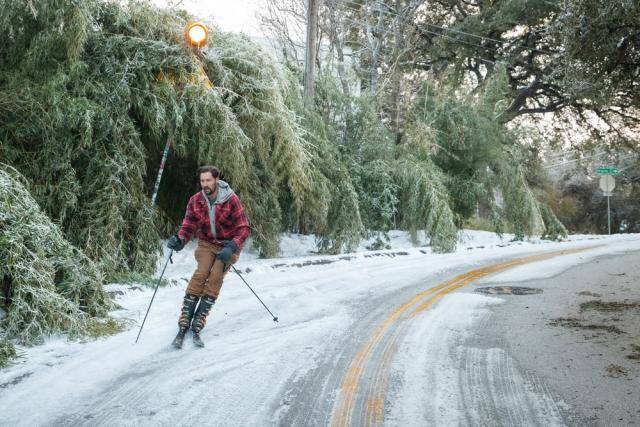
(165, 153)
(275, 318)
(154, 293)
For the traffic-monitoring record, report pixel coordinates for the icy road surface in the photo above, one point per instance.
(349, 348)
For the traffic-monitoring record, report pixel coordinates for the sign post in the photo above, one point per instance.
(607, 184)
(609, 214)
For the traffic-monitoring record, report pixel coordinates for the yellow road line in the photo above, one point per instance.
(374, 402)
(352, 378)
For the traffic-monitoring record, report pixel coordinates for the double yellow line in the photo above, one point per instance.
(376, 354)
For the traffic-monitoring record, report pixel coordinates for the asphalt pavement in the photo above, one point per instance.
(578, 340)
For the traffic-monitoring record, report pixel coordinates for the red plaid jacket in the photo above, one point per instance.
(230, 221)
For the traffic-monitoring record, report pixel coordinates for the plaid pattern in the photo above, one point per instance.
(230, 221)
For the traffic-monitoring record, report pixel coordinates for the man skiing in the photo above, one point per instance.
(221, 226)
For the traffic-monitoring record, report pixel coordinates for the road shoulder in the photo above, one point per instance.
(580, 337)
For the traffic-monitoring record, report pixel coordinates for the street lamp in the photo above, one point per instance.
(196, 34)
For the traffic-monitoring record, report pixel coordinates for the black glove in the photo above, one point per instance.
(225, 254)
(175, 243)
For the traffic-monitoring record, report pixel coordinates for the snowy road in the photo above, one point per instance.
(361, 341)
(361, 395)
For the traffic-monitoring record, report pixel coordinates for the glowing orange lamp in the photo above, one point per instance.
(196, 34)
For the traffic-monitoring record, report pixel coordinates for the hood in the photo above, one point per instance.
(224, 192)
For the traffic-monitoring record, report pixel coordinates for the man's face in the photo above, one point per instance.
(208, 183)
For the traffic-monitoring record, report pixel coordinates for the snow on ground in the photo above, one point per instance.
(427, 371)
(248, 359)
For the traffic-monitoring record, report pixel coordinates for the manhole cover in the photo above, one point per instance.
(511, 290)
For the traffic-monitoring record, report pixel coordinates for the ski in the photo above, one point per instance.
(177, 341)
(197, 341)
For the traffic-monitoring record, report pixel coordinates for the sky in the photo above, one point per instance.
(236, 16)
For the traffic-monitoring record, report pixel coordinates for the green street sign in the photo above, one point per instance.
(607, 171)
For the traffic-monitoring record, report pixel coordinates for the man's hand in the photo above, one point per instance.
(225, 254)
(175, 243)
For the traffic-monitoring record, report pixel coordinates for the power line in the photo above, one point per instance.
(360, 25)
(488, 38)
(387, 12)
(387, 50)
(363, 26)
(573, 161)
(456, 31)
(588, 157)
(464, 42)
(627, 167)
(439, 35)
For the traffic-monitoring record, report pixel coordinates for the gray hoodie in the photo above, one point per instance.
(224, 193)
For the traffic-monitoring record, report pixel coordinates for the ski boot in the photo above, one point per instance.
(186, 314)
(177, 341)
(200, 318)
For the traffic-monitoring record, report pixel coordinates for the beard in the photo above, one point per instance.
(207, 190)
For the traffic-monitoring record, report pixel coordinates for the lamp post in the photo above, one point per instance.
(195, 34)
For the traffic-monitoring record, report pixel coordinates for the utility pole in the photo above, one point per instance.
(310, 57)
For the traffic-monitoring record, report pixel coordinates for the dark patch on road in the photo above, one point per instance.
(608, 306)
(589, 294)
(616, 371)
(636, 353)
(572, 322)
(508, 290)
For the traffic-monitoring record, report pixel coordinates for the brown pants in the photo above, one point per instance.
(207, 279)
